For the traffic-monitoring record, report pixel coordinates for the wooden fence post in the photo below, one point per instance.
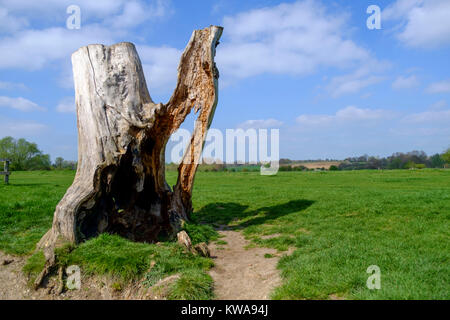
(7, 171)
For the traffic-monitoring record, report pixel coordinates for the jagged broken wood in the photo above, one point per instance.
(120, 184)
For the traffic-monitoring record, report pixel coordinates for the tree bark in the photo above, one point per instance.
(120, 184)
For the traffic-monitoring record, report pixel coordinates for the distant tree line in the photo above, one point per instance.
(62, 164)
(398, 160)
(25, 155)
(216, 167)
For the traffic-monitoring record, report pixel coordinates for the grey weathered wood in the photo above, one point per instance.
(120, 184)
(5, 171)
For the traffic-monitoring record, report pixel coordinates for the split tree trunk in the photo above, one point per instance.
(120, 184)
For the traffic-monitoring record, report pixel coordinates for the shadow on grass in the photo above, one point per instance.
(220, 213)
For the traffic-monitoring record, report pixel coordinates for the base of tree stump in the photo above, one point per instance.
(120, 184)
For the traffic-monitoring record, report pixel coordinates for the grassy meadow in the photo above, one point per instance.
(337, 224)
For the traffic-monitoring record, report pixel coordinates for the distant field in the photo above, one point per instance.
(317, 164)
(339, 223)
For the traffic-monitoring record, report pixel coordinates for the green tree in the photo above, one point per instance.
(436, 161)
(59, 163)
(410, 165)
(24, 155)
(71, 165)
(24, 152)
(38, 162)
(395, 163)
(6, 147)
(446, 156)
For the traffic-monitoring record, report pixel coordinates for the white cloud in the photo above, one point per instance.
(33, 49)
(400, 9)
(9, 24)
(11, 85)
(439, 105)
(103, 21)
(137, 12)
(405, 82)
(355, 115)
(430, 117)
(315, 119)
(218, 6)
(55, 10)
(347, 130)
(357, 80)
(20, 104)
(355, 131)
(350, 114)
(347, 84)
(295, 38)
(66, 105)
(20, 128)
(160, 67)
(439, 87)
(422, 23)
(116, 16)
(26, 127)
(260, 124)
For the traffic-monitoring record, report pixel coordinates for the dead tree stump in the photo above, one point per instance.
(120, 184)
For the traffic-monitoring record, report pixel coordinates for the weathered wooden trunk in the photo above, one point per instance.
(120, 184)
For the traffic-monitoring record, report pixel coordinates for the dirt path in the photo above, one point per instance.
(13, 284)
(241, 273)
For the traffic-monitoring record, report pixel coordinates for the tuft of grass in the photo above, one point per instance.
(221, 242)
(268, 255)
(109, 255)
(155, 274)
(34, 265)
(200, 232)
(173, 259)
(192, 285)
(126, 260)
(281, 243)
(117, 286)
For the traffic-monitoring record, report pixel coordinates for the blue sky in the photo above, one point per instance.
(313, 69)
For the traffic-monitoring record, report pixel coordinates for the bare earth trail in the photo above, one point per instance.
(241, 273)
(14, 285)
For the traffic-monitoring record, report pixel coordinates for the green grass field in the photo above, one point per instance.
(339, 223)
